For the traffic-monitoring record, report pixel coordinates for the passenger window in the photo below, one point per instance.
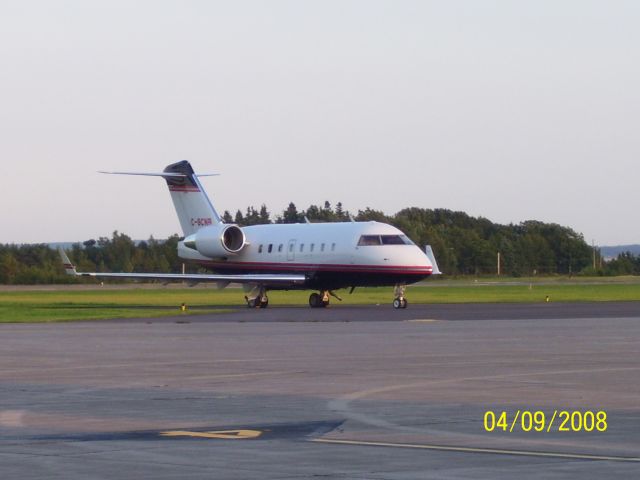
(333, 247)
(280, 248)
(260, 249)
(270, 247)
(291, 248)
(301, 247)
(322, 247)
(311, 249)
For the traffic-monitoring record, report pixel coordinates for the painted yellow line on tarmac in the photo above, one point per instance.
(220, 434)
(447, 448)
(423, 320)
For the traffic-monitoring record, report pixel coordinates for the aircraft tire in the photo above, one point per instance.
(397, 303)
(315, 301)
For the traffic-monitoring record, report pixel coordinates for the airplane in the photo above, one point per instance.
(324, 257)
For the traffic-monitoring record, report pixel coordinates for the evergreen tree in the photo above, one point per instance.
(226, 217)
(263, 216)
(291, 215)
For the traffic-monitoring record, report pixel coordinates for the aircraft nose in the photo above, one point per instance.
(422, 261)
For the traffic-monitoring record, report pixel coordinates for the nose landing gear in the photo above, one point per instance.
(399, 301)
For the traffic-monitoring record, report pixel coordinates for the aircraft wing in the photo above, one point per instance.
(285, 279)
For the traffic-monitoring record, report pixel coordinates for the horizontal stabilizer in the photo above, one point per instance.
(161, 174)
(146, 174)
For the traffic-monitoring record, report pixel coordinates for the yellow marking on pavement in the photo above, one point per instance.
(448, 448)
(220, 434)
(423, 320)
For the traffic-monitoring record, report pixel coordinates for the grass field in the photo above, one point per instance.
(89, 303)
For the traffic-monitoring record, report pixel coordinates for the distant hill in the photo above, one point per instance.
(69, 245)
(65, 245)
(612, 251)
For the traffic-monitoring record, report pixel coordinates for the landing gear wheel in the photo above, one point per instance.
(316, 301)
(400, 303)
(258, 298)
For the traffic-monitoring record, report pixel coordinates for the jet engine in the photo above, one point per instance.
(217, 241)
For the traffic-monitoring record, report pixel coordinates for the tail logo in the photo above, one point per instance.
(201, 222)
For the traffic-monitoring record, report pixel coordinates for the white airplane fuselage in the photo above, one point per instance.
(329, 255)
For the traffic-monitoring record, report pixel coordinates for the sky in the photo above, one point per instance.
(508, 110)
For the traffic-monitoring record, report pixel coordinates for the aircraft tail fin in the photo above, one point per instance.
(192, 204)
(193, 207)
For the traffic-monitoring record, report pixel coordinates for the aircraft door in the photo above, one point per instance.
(291, 251)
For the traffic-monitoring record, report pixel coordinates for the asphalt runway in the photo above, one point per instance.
(346, 392)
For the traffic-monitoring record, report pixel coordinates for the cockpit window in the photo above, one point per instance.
(392, 240)
(369, 240)
(407, 240)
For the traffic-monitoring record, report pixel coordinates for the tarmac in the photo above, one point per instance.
(344, 392)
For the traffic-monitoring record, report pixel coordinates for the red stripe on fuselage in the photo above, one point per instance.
(183, 189)
(314, 267)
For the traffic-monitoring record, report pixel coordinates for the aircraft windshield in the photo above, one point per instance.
(371, 240)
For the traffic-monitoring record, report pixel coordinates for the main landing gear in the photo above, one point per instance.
(399, 301)
(257, 298)
(259, 301)
(321, 300)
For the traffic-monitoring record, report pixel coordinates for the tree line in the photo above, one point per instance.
(463, 245)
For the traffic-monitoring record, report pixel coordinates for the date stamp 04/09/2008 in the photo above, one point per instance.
(539, 421)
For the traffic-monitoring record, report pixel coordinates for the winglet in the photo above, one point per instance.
(69, 268)
(432, 258)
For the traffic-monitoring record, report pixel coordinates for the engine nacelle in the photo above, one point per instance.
(217, 241)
